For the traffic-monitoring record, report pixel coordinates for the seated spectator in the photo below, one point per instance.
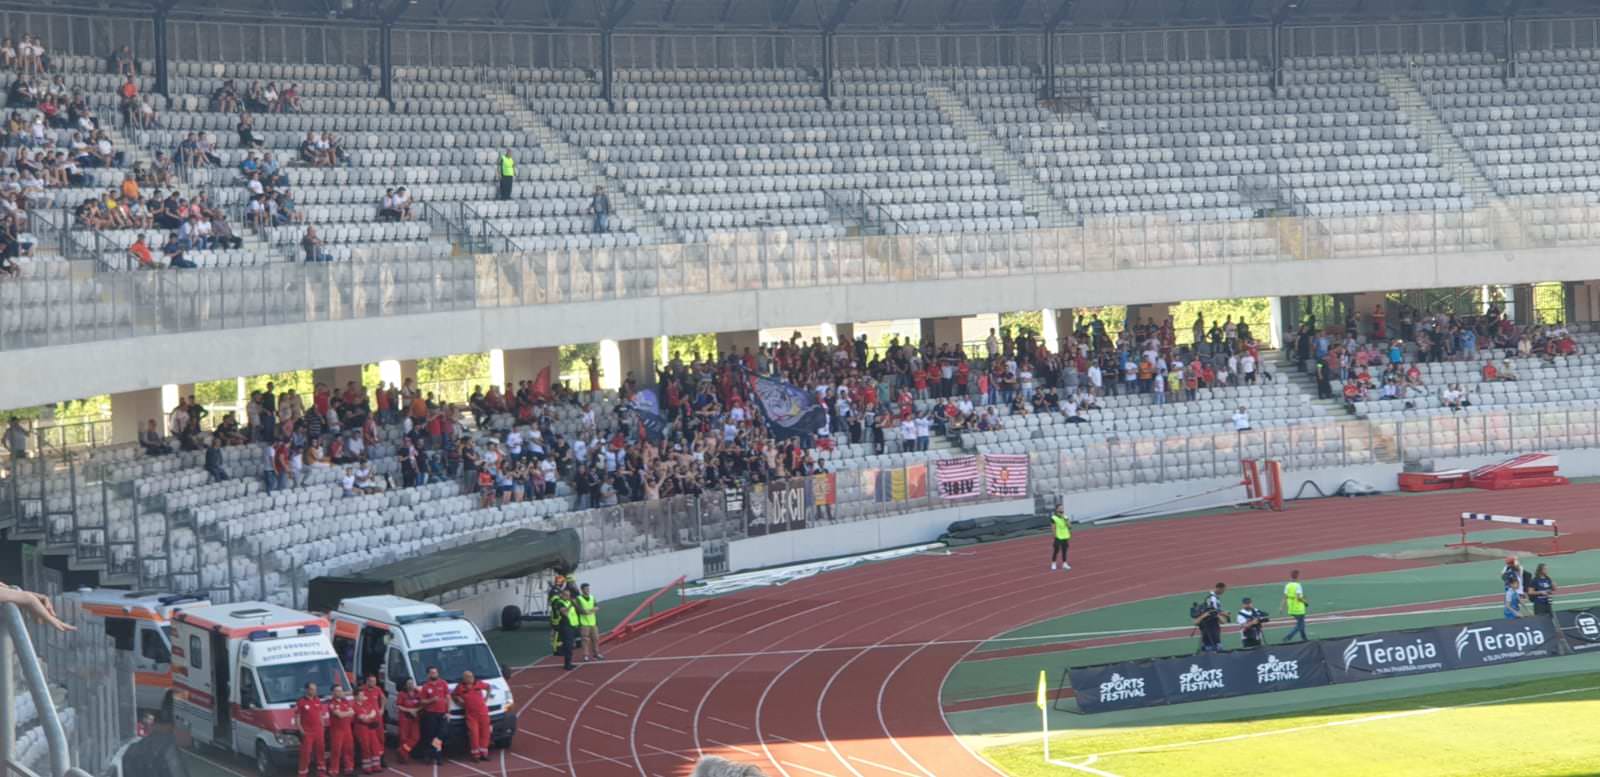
(128, 96)
(402, 199)
(226, 100)
(140, 251)
(271, 173)
(122, 62)
(222, 235)
(247, 132)
(8, 52)
(1507, 372)
(1489, 373)
(173, 251)
(151, 440)
(1241, 419)
(389, 209)
(312, 246)
(214, 466)
(289, 100)
(1454, 398)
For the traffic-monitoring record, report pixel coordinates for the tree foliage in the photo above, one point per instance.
(1255, 311)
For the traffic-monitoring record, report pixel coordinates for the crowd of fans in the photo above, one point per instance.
(1370, 360)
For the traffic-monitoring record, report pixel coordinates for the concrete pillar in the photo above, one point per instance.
(335, 378)
(130, 410)
(737, 342)
(395, 372)
(171, 394)
(1521, 303)
(638, 359)
(522, 364)
(943, 331)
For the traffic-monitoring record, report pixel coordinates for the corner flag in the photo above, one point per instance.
(1044, 716)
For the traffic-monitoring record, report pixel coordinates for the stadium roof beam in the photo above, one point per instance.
(1059, 15)
(556, 10)
(667, 9)
(899, 10)
(1512, 7)
(727, 8)
(783, 10)
(1285, 9)
(1009, 12)
(393, 11)
(841, 9)
(950, 10)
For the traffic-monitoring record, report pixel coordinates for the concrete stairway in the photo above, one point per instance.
(1035, 198)
(1447, 150)
(576, 165)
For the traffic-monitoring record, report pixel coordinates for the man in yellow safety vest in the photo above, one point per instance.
(508, 173)
(1063, 530)
(588, 624)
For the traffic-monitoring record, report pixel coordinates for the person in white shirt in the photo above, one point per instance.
(514, 443)
(924, 431)
(1096, 379)
(1241, 420)
(1247, 368)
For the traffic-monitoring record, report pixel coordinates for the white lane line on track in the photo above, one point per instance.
(665, 727)
(618, 713)
(715, 743)
(874, 764)
(604, 732)
(675, 708)
(473, 768)
(726, 722)
(793, 765)
(816, 747)
(617, 761)
(537, 735)
(549, 714)
(628, 694)
(664, 751)
(560, 695)
(535, 762)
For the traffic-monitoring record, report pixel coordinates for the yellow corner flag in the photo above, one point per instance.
(1044, 716)
(1042, 691)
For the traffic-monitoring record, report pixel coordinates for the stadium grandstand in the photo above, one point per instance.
(725, 269)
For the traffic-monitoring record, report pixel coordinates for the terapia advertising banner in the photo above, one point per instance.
(1387, 654)
(1581, 628)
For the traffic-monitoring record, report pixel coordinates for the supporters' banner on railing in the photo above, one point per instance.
(1005, 474)
(917, 481)
(1581, 628)
(897, 484)
(824, 489)
(787, 505)
(958, 478)
(652, 425)
(869, 484)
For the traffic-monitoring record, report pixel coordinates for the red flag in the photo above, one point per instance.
(541, 385)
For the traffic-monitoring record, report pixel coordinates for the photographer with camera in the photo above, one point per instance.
(1208, 618)
(1251, 620)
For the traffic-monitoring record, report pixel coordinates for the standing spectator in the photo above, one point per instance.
(1210, 618)
(214, 460)
(140, 251)
(508, 174)
(588, 623)
(1541, 590)
(16, 439)
(600, 207)
(1241, 420)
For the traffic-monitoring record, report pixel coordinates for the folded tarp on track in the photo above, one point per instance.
(993, 529)
(519, 554)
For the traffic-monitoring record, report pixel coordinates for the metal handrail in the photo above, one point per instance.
(14, 636)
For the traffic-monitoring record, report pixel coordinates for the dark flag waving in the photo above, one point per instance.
(652, 424)
(791, 411)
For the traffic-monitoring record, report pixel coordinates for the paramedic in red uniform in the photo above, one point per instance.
(309, 715)
(368, 715)
(341, 733)
(407, 707)
(473, 696)
(435, 697)
(372, 730)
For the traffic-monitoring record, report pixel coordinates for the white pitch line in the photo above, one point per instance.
(793, 765)
(665, 727)
(816, 747)
(885, 767)
(1084, 767)
(716, 744)
(724, 722)
(604, 732)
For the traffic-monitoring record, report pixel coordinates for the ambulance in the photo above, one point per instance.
(237, 670)
(398, 638)
(140, 622)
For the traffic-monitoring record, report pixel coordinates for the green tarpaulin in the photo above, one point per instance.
(518, 554)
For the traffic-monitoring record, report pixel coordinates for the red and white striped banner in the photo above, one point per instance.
(1006, 474)
(958, 478)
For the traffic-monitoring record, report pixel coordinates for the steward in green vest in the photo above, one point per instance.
(588, 624)
(564, 627)
(508, 174)
(1062, 525)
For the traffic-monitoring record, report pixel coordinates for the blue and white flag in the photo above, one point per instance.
(790, 410)
(652, 424)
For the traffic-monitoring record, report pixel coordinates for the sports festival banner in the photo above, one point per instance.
(958, 478)
(1388, 654)
(1283, 668)
(1121, 686)
(1198, 677)
(1581, 629)
(1005, 474)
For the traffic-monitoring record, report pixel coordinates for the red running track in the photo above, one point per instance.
(839, 674)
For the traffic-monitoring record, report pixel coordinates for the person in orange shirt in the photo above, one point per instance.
(130, 188)
(140, 251)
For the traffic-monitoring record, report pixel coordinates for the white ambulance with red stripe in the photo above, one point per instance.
(237, 670)
(140, 622)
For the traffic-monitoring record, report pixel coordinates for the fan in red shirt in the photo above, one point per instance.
(435, 698)
(341, 733)
(473, 696)
(408, 709)
(372, 729)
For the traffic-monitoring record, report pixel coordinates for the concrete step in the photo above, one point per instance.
(1036, 199)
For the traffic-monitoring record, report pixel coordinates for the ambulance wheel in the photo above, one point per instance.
(510, 618)
(263, 761)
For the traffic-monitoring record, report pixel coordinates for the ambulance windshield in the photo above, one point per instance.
(454, 660)
(283, 683)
